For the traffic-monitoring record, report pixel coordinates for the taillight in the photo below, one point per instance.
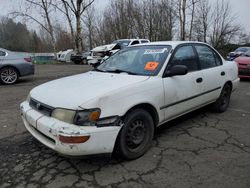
(28, 59)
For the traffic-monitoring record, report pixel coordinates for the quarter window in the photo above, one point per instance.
(185, 56)
(2, 53)
(207, 57)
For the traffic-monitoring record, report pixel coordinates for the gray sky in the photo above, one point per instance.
(240, 8)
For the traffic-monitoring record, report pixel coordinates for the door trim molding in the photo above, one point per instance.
(189, 98)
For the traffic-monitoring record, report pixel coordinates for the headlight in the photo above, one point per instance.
(87, 116)
(64, 115)
(84, 117)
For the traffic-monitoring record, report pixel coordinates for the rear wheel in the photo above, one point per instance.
(223, 101)
(8, 75)
(136, 135)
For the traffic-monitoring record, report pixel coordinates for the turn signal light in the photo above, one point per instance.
(73, 139)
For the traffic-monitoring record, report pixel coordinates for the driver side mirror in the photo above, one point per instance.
(176, 70)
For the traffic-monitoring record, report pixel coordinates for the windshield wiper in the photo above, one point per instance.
(120, 71)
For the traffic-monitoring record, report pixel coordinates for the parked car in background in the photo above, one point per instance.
(118, 105)
(43, 58)
(243, 63)
(14, 65)
(100, 52)
(238, 52)
(80, 58)
(65, 56)
(58, 55)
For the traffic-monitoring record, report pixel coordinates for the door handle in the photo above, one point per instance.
(222, 73)
(199, 80)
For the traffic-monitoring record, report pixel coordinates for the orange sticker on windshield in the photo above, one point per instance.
(151, 66)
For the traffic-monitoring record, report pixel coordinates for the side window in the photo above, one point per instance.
(206, 56)
(2, 53)
(144, 41)
(135, 42)
(185, 56)
(217, 59)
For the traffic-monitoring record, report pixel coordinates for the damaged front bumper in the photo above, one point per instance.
(57, 135)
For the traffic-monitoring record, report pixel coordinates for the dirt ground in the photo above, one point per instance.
(202, 149)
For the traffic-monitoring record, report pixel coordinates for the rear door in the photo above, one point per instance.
(212, 72)
(182, 93)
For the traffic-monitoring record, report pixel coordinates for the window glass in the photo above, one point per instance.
(206, 57)
(217, 59)
(139, 60)
(135, 42)
(2, 53)
(144, 41)
(185, 56)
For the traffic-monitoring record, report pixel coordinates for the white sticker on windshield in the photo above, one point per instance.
(155, 51)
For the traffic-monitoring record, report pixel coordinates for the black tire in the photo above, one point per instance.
(223, 101)
(136, 135)
(9, 75)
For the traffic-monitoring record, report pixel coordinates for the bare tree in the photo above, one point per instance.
(182, 9)
(202, 21)
(45, 8)
(78, 7)
(223, 27)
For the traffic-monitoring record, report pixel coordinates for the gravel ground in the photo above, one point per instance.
(201, 149)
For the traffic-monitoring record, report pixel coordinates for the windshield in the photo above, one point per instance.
(138, 60)
(122, 43)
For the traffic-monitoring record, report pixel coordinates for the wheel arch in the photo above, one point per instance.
(149, 108)
(11, 66)
(229, 83)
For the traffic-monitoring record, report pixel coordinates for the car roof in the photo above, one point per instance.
(130, 39)
(171, 43)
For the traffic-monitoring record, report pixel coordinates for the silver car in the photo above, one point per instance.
(14, 65)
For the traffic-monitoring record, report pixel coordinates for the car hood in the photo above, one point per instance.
(242, 59)
(71, 92)
(104, 48)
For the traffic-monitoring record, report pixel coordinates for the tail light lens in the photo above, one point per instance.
(28, 59)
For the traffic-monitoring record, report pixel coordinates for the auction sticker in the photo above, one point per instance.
(151, 66)
(155, 51)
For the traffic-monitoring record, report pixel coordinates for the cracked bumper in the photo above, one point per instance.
(47, 131)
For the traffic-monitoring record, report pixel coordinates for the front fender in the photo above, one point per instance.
(118, 102)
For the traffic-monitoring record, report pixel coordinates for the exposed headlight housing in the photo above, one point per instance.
(83, 117)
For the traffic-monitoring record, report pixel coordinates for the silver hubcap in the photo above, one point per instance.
(9, 76)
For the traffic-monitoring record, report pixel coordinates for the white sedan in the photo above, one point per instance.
(118, 105)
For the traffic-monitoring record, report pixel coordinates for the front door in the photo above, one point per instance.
(182, 93)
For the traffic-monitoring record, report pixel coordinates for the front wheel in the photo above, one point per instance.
(8, 75)
(136, 135)
(223, 101)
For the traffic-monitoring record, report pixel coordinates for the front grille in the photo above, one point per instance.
(40, 107)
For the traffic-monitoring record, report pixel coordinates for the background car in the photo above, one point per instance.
(100, 52)
(244, 65)
(65, 55)
(238, 52)
(14, 65)
(80, 58)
